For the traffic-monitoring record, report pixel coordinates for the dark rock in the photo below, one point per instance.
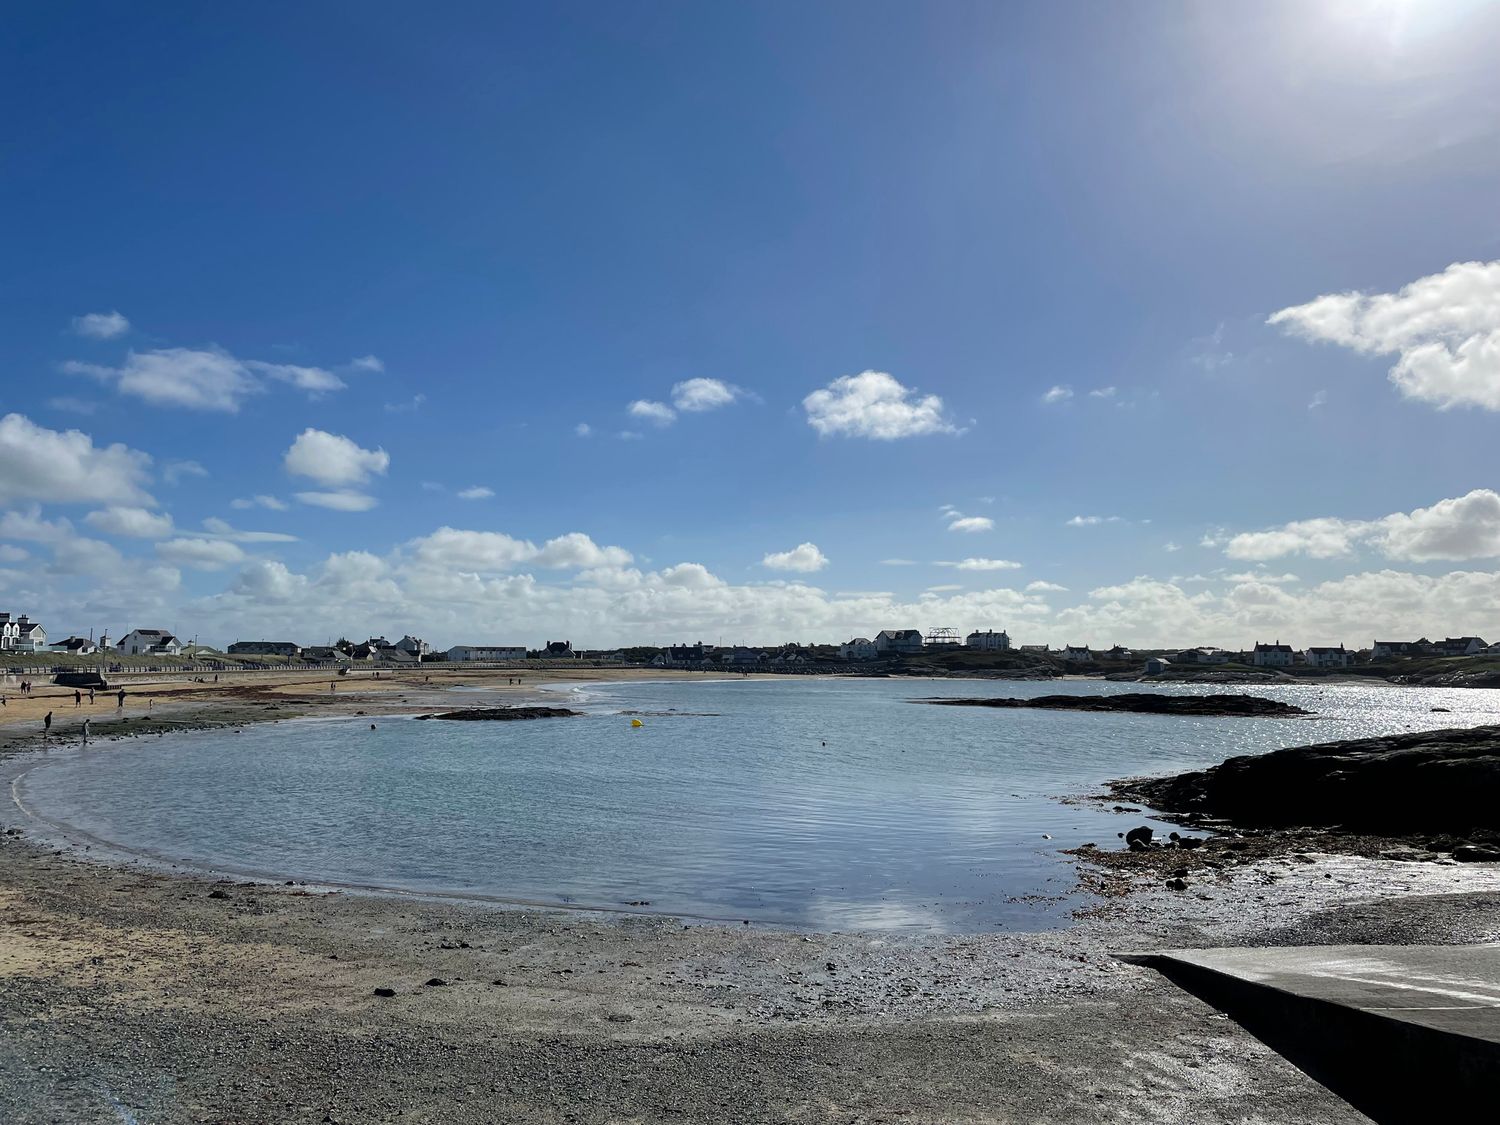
(385, 992)
(1426, 781)
(619, 1017)
(1189, 842)
(436, 982)
(504, 714)
(218, 894)
(1144, 703)
(1477, 853)
(1177, 884)
(1139, 839)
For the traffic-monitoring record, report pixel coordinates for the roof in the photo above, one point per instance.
(1277, 647)
(1325, 648)
(28, 626)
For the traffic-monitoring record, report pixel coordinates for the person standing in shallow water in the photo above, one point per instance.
(122, 699)
(47, 724)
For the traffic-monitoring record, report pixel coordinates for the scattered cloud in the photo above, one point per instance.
(1040, 587)
(1170, 547)
(1456, 529)
(66, 467)
(971, 524)
(136, 523)
(981, 564)
(200, 554)
(1319, 398)
(697, 395)
(1443, 329)
(13, 554)
(898, 562)
(874, 405)
(1092, 521)
(260, 501)
(657, 413)
(803, 558)
(368, 363)
(476, 492)
(173, 471)
(74, 405)
(583, 429)
(1208, 353)
(410, 406)
(340, 500)
(101, 326)
(1057, 394)
(629, 435)
(947, 588)
(493, 552)
(332, 459)
(221, 529)
(1104, 392)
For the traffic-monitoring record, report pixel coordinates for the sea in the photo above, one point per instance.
(816, 802)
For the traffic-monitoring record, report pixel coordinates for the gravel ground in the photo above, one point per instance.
(129, 994)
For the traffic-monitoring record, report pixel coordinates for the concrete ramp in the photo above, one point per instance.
(1403, 1033)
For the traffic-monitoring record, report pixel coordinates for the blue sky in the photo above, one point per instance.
(444, 239)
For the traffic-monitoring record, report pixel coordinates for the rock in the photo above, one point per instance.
(1144, 703)
(1444, 781)
(1177, 884)
(1406, 854)
(385, 992)
(435, 982)
(619, 1017)
(1190, 842)
(217, 893)
(504, 714)
(1139, 839)
(1477, 853)
(1445, 710)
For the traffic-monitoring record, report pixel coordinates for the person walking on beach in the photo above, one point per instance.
(46, 725)
(122, 699)
(85, 732)
(77, 698)
(91, 697)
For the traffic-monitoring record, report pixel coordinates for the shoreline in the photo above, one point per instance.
(180, 996)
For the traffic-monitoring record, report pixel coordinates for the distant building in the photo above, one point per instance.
(1383, 650)
(1204, 655)
(74, 646)
(1328, 657)
(988, 641)
(686, 653)
(1036, 648)
(1156, 665)
(1460, 646)
(149, 642)
(464, 653)
(288, 649)
(414, 645)
(559, 650)
(325, 654)
(30, 636)
(898, 640)
(739, 657)
(860, 648)
(1076, 654)
(1119, 652)
(1275, 655)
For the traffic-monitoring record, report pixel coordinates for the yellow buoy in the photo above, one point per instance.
(636, 723)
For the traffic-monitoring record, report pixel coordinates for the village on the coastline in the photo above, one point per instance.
(22, 635)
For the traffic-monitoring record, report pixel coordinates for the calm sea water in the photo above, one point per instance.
(815, 802)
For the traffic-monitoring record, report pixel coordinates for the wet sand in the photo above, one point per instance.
(134, 994)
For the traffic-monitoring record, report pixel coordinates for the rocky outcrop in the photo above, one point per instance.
(1143, 703)
(1431, 781)
(503, 714)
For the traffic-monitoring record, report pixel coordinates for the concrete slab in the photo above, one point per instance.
(1403, 1033)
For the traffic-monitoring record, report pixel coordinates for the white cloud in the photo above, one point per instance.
(101, 326)
(971, 524)
(260, 501)
(30, 525)
(1040, 587)
(628, 435)
(74, 405)
(173, 471)
(11, 554)
(339, 500)
(982, 564)
(476, 492)
(658, 413)
(898, 562)
(410, 406)
(493, 552)
(90, 557)
(1057, 394)
(65, 467)
(947, 588)
(697, 395)
(137, 523)
(1261, 576)
(1091, 521)
(332, 459)
(221, 529)
(1170, 547)
(576, 551)
(200, 554)
(1104, 392)
(314, 380)
(803, 558)
(583, 429)
(874, 405)
(368, 363)
(1443, 329)
(192, 378)
(1319, 398)
(1457, 529)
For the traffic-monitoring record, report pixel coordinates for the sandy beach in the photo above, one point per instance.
(134, 994)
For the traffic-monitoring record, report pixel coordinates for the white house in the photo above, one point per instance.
(459, 653)
(414, 645)
(9, 632)
(149, 642)
(74, 646)
(30, 636)
(1205, 655)
(860, 648)
(1276, 655)
(1451, 646)
(988, 641)
(899, 640)
(1076, 654)
(1328, 657)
